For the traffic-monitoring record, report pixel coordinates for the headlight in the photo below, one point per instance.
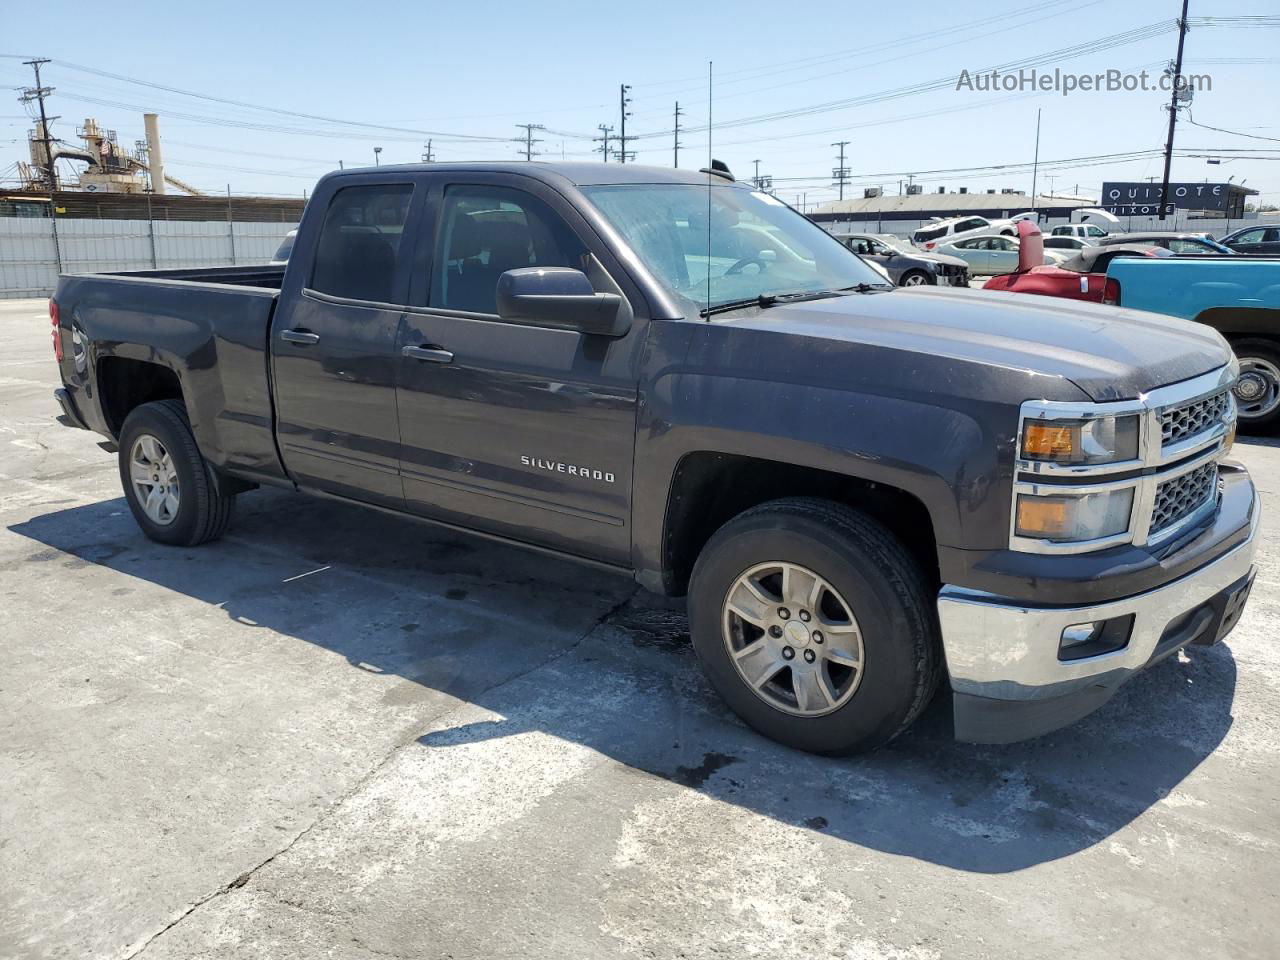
(1097, 440)
(1074, 517)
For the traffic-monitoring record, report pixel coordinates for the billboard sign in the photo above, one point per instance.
(1143, 198)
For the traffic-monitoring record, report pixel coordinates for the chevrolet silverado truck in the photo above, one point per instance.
(864, 492)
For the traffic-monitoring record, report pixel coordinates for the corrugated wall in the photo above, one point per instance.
(30, 260)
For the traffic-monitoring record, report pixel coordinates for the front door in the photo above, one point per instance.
(519, 430)
(1004, 254)
(334, 347)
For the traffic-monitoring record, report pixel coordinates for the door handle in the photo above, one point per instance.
(431, 354)
(299, 336)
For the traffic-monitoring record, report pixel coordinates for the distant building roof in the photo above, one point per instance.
(924, 205)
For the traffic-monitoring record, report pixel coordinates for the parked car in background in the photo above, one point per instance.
(1085, 231)
(1067, 242)
(987, 255)
(940, 231)
(1253, 240)
(1082, 277)
(1174, 242)
(906, 266)
(1237, 296)
(285, 249)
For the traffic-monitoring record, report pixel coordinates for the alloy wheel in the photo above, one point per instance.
(793, 639)
(154, 479)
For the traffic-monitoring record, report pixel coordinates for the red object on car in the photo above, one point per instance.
(57, 334)
(1083, 277)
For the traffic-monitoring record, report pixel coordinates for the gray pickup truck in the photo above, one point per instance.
(862, 490)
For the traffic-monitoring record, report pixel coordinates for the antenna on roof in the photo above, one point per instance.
(711, 164)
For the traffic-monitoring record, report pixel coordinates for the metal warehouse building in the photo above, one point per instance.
(921, 206)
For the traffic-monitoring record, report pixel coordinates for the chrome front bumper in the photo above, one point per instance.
(1003, 657)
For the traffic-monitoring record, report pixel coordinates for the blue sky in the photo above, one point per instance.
(468, 70)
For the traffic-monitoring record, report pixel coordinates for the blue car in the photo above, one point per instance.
(1237, 296)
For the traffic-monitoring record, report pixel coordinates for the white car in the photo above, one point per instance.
(945, 231)
(989, 255)
(1060, 241)
(1085, 231)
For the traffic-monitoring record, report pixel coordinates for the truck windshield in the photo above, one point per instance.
(752, 245)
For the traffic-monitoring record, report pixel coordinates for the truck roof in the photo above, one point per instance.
(578, 174)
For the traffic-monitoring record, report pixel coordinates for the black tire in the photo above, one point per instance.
(884, 587)
(923, 277)
(205, 505)
(1266, 353)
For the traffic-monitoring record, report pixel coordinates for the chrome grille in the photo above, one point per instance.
(1193, 418)
(1180, 497)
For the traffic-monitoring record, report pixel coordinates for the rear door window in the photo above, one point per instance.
(358, 254)
(928, 233)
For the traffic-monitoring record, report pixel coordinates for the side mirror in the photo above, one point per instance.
(559, 297)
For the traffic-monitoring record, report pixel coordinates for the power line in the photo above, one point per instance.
(266, 109)
(603, 140)
(675, 141)
(38, 93)
(623, 101)
(1054, 56)
(1178, 94)
(841, 172)
(530, 140)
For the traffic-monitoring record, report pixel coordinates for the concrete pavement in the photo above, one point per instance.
(334, 734)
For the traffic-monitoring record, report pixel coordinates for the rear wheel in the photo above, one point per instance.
(815, 625)
(1257, 391)
(174, 495)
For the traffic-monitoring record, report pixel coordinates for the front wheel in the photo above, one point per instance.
(915, 278)
(1257, 391)
(815, 625)
(174, 495)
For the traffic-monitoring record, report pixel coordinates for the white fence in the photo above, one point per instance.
(1180, 221)
(32, 255)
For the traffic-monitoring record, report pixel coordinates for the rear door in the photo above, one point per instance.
(523, 431)
(334, 342)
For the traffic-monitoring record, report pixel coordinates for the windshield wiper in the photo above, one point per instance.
(766, 300)
(866, 287)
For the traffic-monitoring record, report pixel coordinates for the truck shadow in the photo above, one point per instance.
(536, 645)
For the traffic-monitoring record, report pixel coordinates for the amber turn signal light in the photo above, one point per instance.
(1049, 441)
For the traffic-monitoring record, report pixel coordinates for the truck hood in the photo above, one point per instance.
(1108, 352)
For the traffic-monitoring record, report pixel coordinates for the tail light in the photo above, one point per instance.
(930, 245)
(56, 332)
(1111, 292)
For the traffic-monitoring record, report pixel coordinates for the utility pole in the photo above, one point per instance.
(377, 156)
(38, 93)
(623, 100)
(1035, 163)
(675, 157)
(1173, 109)
(841, 173)
(427, 155)
(529, 139)
(603, 149)
(756, 178)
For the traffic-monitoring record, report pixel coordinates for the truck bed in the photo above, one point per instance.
(210, 326)
(268, 276)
